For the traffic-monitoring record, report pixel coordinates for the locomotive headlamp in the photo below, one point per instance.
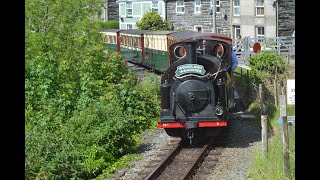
(219, 110)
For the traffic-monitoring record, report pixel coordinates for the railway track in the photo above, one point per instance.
(140, 69)
(180, 161)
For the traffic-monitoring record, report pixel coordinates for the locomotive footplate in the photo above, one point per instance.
(192, 124)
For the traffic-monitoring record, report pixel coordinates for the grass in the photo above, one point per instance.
(272, 166)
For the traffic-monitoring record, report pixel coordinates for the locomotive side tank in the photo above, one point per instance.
(196, 91)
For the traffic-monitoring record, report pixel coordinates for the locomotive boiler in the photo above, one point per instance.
(196, 90)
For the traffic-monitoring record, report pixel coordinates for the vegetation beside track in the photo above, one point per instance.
(84, 110)
(265, 68)
(272, 166)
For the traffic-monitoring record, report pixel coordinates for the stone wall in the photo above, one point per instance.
(189, 19)
(286, 17)
(113, 10)
(223, 25)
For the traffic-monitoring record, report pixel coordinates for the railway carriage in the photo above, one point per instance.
(132, 45)
(156, 45)
(111, 39)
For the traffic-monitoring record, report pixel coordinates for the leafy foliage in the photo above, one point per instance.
(112, 24)
(266, 67)
(152, 20)
(83, 108)
(266, 64)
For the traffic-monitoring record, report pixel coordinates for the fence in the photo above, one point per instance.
(284, 46)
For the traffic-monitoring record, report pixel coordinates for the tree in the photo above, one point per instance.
(152, 20)
(112, 24)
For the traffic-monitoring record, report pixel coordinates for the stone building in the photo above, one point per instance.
(252, 18)
(110, 10)
(194, 15)
(222, 17)
(286, 17)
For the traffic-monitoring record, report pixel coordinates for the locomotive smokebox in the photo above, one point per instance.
(165, 97)
(191, 49)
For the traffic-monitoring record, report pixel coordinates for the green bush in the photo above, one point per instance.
(112, 24)
(266, 64)
(152, 20)
(96, 136)
(82, 147)
(83, 108)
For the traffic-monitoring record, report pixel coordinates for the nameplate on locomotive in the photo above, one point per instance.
(190, 68)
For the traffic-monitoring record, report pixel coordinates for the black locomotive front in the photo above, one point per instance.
(194, 89)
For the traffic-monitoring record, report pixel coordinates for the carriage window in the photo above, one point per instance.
(137, 42)
(124, 39)
(131, 41)
(108, 39)
(218, 50)
(180, 52)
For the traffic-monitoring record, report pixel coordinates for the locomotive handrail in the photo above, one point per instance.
(219, 71)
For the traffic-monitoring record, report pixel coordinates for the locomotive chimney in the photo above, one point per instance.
(191, 51)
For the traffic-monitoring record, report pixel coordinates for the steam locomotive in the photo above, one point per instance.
(197, 88)
(196, 79)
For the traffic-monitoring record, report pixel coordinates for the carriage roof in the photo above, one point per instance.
(110, 30)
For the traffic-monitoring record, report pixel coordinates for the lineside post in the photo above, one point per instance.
(264, 128)
(275, 91)
(285, 137)
(264, 136)
(261, 99)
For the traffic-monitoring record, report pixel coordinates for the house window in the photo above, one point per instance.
(129, 26)
(197, 6)
(236, 7)
(180, 6)
(219, 30)
(236, 31)
(259, 7)
(260, 33)
(218, 6)
(155, 6)
(198, 28)
(129, 9)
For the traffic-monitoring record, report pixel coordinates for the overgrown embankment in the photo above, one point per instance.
(83, 109)
(272, 71)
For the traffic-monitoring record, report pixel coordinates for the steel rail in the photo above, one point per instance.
(204, 152)
(163, 164)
